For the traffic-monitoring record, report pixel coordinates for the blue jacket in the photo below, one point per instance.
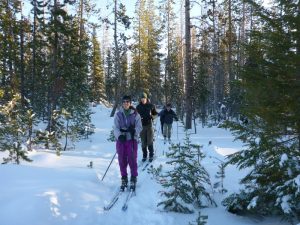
(167, 116)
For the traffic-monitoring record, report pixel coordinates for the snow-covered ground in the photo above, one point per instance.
(63, 190)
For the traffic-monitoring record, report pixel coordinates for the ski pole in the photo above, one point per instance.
(132, 148)
(177, 129)
(108, 166)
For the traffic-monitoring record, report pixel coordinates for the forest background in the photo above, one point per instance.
(228, 62)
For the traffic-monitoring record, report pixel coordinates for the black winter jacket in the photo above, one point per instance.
(147, 112)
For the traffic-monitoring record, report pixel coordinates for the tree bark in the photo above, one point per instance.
(230, 74)
(188, 69)
(22, 88)
(216, 78)
(298, 67)
(117, 64)
(33, 72)
(52, 97)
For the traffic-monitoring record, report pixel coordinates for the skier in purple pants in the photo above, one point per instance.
(127, 127)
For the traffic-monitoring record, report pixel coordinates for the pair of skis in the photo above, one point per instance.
(130, 194)
(116, 197)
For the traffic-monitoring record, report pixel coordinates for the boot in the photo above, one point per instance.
(132, 183)
(124, 183)
(151, 153)
(144, 154)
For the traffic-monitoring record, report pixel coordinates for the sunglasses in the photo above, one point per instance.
(126, 101)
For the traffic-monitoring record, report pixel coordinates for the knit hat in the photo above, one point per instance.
(126, 98)
(143, 95)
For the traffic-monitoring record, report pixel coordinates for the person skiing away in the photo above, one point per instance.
(148, 113)
(127, 127)
(167, 115)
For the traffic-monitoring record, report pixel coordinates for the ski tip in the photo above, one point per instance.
(124, 208)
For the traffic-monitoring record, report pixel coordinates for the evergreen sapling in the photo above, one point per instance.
(220, 176)
(15, 129)
(185, 185)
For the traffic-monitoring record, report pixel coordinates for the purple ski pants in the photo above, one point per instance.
(126, 157)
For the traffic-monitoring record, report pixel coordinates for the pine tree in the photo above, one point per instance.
(186, 185)
(68, 86)
(220, 176)
(271, 129)
(201, 59)
(9, 42)
(68, 67)
(232, 10)
(97, 71)
(221, 33)
(124, 70)
(172, 86)
(145, 72)
(16, 123)
(174, 81)
(109, 76)
(120, 18)
(38, 65)
(138, 50)
(50, 65)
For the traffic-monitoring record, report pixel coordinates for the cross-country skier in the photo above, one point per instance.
(148, 113)
(167, 115)
(127, 127)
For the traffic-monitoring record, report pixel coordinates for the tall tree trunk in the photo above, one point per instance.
(251, 21)
(182, 50)
(140, 61)
(242, 39)
(230, 74)
(10, 49)
(22, 88)
(54, 75)
(298, 66)
(167, 66)
(298, 42)
(117, 64)
(188, 69)
(216, 77)
(4, 64)
(33, 72)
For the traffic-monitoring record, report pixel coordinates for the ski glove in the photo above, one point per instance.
(131, 130)
(123, 130)
(122, 138)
